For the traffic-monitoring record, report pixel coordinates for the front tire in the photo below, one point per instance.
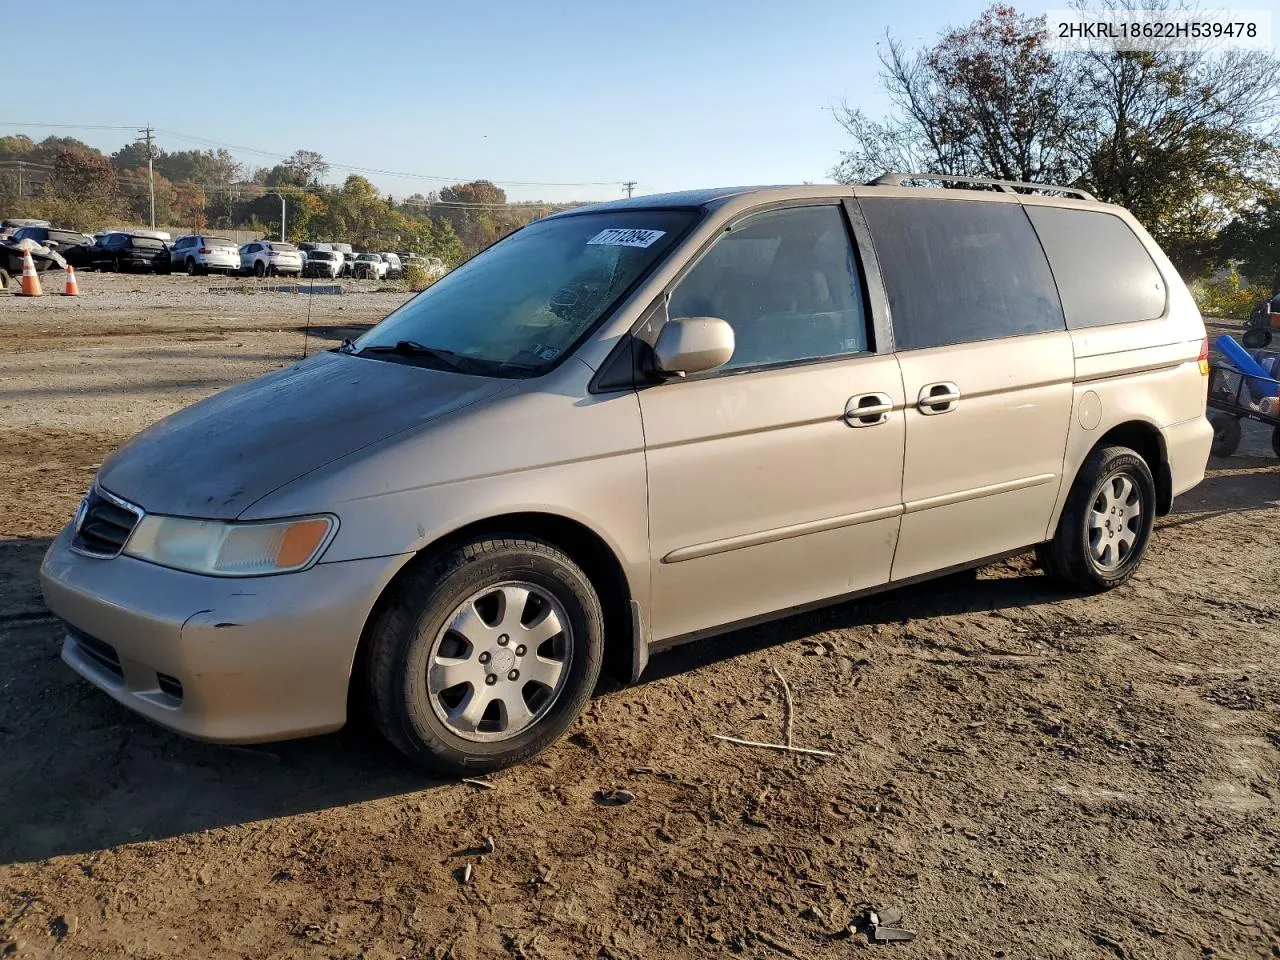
(1106, 523)
(485, 654)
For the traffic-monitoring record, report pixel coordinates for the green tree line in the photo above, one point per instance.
(74, 185)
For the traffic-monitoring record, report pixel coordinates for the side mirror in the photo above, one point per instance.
(691, 345)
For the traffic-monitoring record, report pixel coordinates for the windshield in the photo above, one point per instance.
(529, 298)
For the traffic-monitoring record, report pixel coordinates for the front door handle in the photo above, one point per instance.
(938, 398)
(868, 409)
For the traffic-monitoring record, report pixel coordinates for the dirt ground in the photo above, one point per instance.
(1023, 772)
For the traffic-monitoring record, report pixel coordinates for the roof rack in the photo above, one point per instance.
(894, 179)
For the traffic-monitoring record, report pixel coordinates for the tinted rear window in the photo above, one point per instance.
(1104, 273)
(958, 271)
(283, 247)
(149, 243)
(319, 255)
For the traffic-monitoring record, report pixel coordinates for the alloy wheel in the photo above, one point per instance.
(500, 662)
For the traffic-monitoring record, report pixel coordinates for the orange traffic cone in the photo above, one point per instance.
(30, 279)
(72, 290)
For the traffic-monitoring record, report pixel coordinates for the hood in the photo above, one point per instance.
(216, 458)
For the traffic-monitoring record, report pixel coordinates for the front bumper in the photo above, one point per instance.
(221, 659)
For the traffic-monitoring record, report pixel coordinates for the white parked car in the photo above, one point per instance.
(394, 267)
(369, 266)
(270, 257)
(326, 264)
(199, 253)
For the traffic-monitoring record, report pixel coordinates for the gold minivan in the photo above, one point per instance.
(629, 425)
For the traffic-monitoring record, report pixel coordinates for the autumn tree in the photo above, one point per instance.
(309, 166)
(1183, 139)
(987, 99)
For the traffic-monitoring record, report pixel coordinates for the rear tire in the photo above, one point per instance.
(447, 615)
(1106, 523)
(1256, 338)
(1226, 435)
(1275, 441)
(192, 269)
(4, 279)
(259, 269)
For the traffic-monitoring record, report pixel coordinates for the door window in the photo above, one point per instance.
(788, 283)
(959, 271)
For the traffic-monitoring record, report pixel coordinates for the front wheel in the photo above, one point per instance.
(1106, 523)
(485, 655)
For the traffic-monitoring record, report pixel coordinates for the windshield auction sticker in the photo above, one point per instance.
(624, 237)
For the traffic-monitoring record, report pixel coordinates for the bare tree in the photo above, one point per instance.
(986, 100)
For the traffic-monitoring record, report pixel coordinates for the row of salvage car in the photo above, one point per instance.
(195, 254)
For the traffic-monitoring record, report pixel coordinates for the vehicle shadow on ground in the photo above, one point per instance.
(1231, 485)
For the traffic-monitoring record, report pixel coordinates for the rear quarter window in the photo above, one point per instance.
(1104, 273)
(960, 271)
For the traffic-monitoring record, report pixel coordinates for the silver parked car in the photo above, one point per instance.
(629, 425)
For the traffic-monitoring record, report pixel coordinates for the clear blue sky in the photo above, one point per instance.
(670, 93)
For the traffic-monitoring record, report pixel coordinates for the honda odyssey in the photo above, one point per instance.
(629, 425)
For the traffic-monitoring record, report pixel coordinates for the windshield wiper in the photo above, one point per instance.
(411, 348)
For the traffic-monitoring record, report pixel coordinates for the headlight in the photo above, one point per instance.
(230, 549)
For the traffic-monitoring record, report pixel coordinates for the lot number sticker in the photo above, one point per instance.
(623, 237)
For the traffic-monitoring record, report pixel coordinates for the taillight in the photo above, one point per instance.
(205, 250)
(1204, 357)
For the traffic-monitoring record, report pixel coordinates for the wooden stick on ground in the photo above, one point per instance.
(773, 746)
(789, 716)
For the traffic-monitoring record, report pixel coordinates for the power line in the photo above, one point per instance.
(628, 186)
(353, 168)
(378, 171)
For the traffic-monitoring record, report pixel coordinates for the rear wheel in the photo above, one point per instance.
(193, 268)
(1226, 434)
(1106, 523)
(1255, 338)
(1275, 441)
(485, 655)
(4, 279)
(259, 269)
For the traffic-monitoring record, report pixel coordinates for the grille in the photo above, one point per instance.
(103, 654)
(104, 525)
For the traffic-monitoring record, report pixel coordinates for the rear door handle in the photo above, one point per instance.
(938, 398)
(868, 409)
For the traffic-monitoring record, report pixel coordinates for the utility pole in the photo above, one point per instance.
(629, 186)
(149, 135)
(283, 237)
